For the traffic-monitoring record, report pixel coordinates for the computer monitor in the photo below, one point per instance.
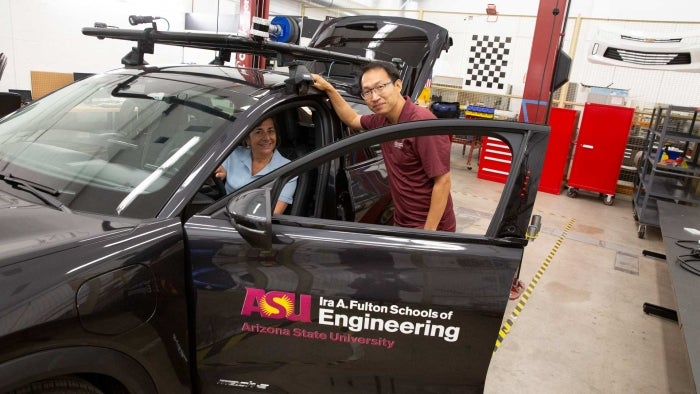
(79, 76)
(26, 94)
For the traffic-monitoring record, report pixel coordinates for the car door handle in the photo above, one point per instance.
(586, 146)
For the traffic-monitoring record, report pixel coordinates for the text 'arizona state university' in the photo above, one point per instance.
(346, 314)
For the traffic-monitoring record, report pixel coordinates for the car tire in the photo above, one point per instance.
(62, 385)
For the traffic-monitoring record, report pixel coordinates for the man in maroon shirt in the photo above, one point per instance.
(418, 167)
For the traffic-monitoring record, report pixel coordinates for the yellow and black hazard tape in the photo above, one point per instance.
(508, 324)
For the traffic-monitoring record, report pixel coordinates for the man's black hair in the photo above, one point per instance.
(388, 67)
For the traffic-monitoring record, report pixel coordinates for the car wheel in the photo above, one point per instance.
(62, 385)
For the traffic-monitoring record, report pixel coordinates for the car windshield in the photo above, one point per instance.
(118, 144)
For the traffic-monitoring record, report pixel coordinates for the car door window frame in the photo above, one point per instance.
(511, 217)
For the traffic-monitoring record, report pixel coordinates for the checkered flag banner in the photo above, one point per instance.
(488, 60)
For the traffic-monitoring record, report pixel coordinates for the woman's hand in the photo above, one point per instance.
(220, 172)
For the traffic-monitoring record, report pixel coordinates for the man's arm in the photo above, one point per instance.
(341, 107)
(442, 185)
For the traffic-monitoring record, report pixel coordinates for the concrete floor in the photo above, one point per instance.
(582, 328)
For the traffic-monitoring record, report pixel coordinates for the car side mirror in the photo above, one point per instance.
(250, 214)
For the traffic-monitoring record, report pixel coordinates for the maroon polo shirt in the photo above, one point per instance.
(412, 163)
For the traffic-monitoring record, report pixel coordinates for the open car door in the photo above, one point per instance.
(294, 304)
(414, 44)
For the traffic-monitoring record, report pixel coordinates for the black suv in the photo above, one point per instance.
(124, 267)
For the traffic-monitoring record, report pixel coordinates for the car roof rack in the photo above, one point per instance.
(225, 44)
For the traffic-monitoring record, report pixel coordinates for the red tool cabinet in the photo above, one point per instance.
(494, 160)
(599, 149)
(563, 123)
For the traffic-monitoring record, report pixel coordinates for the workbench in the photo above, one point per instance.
(673, 218)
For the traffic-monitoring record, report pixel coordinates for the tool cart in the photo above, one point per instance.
(669, 169)
(599, 150)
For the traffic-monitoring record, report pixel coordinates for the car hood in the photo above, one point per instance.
(29, 230)
(417, 43)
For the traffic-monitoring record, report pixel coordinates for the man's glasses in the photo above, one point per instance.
(367, 93)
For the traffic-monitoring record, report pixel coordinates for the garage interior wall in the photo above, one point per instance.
(41, 35)
(644, 88)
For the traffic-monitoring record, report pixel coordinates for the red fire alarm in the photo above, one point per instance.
(491, 9)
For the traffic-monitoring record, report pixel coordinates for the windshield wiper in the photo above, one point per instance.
(43, 193)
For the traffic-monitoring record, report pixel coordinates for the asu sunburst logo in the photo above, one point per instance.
(276, 305)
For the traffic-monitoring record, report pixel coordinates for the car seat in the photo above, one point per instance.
(177, 128)
(297, 138)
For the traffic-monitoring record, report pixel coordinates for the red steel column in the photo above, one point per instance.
(545, 42)
(249, 9)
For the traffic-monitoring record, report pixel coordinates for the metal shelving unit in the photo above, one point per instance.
(678, 127)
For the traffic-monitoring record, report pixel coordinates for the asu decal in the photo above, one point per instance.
(277, 305)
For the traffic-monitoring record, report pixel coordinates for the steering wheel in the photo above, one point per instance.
(220, 185)
(214, 188)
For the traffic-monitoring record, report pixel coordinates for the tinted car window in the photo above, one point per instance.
(368, 153)
(371, 41)
(115, 144)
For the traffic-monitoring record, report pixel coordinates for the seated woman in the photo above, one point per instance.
(256, 158)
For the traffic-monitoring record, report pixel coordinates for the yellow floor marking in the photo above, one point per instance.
(508, 324)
